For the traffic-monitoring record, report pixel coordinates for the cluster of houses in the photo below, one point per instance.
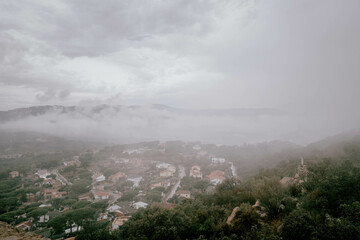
(49, 187)
(167, 170)
(215, 177)
(115, 215)
(14, 174)
(132, 168)
(195, 172)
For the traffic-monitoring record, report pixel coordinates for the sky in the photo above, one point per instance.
(301, 56)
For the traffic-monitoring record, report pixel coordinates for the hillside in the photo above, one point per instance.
(8, 232)
(20, 142)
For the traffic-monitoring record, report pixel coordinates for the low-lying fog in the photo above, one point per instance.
(134, 124)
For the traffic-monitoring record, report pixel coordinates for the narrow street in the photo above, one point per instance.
(61, 177)
(177, 184)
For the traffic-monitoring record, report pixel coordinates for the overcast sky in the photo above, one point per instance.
(296, 55)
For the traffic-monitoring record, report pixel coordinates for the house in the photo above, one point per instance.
(119, 213)
(183, 193)
(141, 194)
(48, 193)
(30, 197)
(136, 181)
(98, 177)
(21, 216)
(163, 184)
(75, 162)
(26, 226)
(166, 173)
(138, 205)
(163, 165)
(53, 194)
(131, 151)
(102, 217)
(86, 197)
(43, 173)
(115, 177)
(14, 174)
(113, 208)
(45, 205)
(215, 160)
(59, 194)
(195, 172)
(171, 169)
(56, 184)
(74, 228)
(44, 218)
(119, 221)
(216, 177)
(101, 195)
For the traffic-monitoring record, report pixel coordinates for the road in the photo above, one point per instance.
(177, 184)
(61, 177)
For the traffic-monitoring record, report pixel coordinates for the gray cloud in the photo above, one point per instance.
(301, 56)
(86, 28)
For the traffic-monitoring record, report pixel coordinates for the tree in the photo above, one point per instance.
(299, 225)
(94, 231)
(156, 223)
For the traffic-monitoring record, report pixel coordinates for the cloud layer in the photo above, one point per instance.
(301, 56)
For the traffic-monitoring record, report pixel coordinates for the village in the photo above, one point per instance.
(114, 183)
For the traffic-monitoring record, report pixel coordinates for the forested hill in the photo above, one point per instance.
(317, 200)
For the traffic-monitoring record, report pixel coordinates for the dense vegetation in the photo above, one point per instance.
(325, 206)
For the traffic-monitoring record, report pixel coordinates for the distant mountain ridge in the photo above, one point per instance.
(20, 113)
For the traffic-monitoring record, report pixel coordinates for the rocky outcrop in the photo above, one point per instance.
(233, 214)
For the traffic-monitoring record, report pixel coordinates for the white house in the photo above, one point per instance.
(45, 205)
(98, 177)
(132, 151)
(138, 205)
(113, 208)
(217, 160)
(74, 228)
(102, 217)
(195, 172)
(136, 181)
(43, 173)
(163, 165)
(101, 195)
(216, 181)
(183, 193)
(44, 218)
